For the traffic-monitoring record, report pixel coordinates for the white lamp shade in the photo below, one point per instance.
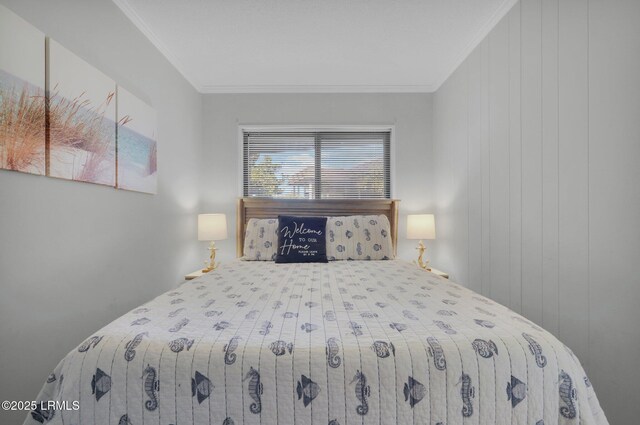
(421, 226)
(212, 227)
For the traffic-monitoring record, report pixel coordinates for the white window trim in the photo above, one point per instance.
(242, 128)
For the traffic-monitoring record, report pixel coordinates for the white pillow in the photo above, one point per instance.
(261, 239)
(359, 237)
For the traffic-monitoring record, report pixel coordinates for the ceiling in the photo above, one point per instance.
(295, 46)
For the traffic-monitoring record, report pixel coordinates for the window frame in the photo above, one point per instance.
(242, 128)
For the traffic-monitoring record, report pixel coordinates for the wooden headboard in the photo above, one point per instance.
(270, 208)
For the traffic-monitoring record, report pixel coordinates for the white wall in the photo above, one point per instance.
(537, 153)
(75, 256)
(410, 113)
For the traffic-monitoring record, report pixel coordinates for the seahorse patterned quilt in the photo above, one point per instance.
(348, 342)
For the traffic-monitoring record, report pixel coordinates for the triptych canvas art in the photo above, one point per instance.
(61, 117)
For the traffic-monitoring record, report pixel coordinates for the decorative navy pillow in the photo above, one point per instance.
(301, 240)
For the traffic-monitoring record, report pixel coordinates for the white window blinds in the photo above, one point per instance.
(317, 164)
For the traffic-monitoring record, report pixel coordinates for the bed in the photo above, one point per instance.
(346, 342)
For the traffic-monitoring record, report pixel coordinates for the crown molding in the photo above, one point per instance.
(137, 20)
(500, 13)
(219, 89)
(457, 60)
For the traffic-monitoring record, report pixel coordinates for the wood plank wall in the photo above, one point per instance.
(537, 165)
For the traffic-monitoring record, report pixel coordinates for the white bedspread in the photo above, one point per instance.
(349, 342)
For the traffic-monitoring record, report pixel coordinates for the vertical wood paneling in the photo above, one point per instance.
(515, 162)
(457, 170)
(485, 159)
(474, 159)
(499, 161)
(442, 248)
(573, 147)
(531, 52)
(453, 190)
(574, 175)
(614, 205)
(550, 165)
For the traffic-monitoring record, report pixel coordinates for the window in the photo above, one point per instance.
(317, 164)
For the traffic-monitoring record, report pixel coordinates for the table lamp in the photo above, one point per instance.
(212, 227)
(421, 226)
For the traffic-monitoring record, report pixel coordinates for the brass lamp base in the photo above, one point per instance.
(421, 263)
(211, 264)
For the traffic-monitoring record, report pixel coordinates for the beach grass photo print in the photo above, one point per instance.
(137, 144)
(82, 120)
(22, 95)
